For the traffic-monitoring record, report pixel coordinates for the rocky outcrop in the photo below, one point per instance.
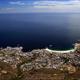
(37, 58)
(21, 61)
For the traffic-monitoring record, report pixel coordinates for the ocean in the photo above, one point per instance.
(39, 30)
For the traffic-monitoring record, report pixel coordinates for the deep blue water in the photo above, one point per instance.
(39, 30)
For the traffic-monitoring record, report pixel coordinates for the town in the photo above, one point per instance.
(16, 64)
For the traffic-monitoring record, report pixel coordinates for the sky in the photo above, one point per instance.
(30, 6)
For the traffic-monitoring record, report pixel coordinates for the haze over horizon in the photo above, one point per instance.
(29, 6)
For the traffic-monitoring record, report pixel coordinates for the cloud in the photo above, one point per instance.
(17, 3)
(58, 6)
(56, 3)
(44, 6)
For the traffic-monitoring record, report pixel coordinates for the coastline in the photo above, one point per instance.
(47, 49)
(60, 51)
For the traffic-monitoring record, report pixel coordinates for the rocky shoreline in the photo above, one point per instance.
(21, 63)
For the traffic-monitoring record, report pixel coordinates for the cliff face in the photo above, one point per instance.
(22, 63)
